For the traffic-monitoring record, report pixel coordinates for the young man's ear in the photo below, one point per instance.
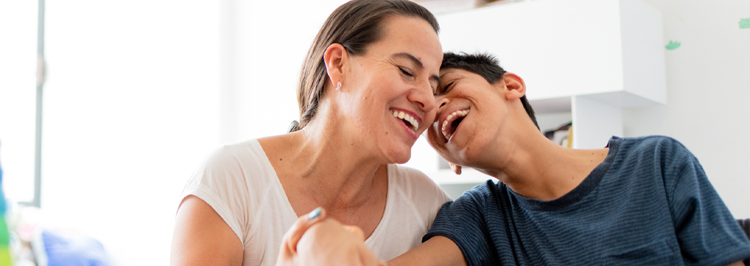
(515, 88)
(456, 168)
(335, 58)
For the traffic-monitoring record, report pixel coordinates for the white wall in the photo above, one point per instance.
(708, 93)
(131, 109)
(263, 46)
(18, 26)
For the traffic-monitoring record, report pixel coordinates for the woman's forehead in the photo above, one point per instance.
(411, 35)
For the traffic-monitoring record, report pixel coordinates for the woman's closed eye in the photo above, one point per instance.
(406, 72)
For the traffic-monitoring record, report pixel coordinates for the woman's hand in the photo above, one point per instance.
(288, 249)
(314, 240)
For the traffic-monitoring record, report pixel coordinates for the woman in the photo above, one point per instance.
(365, 95)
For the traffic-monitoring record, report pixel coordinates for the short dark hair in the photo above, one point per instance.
(355, 25)
(486, 66)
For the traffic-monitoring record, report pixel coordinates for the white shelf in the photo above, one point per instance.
(564, 48)
(590, 58)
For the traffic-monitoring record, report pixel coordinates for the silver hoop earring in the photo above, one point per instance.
(338, 85)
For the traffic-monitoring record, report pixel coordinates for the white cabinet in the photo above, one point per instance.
(587, 57)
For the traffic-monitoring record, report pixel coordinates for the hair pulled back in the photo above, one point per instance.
(354, 25)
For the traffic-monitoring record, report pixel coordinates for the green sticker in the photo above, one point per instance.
(673, 45)
(745, 23)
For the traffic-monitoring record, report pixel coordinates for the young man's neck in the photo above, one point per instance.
(535, 167)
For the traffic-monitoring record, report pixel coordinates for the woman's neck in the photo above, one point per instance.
(330, 163)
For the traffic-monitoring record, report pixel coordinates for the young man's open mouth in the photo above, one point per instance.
(451, 122)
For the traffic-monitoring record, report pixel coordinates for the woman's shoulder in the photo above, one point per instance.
(232, 165)
(245, 148)
(237, 155)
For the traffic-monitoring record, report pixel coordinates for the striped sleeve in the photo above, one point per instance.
(463, 222)
(707, 232)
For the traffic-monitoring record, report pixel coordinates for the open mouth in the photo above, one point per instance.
(450, 124)
(411, 122)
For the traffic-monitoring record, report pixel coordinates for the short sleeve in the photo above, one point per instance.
(462, 221)
(220, 183)
(707, 232)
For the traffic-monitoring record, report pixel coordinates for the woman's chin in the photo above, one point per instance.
(399, 157)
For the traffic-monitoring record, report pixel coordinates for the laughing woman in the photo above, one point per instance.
(365, 95)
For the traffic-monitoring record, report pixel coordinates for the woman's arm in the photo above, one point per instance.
(201, 237)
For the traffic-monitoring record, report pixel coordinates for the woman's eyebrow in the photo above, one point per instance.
(410, 57)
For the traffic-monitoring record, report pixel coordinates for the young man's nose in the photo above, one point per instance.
(441, 102)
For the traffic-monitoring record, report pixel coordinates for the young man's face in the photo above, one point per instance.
(469, 115)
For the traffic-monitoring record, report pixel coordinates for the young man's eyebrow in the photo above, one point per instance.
(419, 64)
(446, 71)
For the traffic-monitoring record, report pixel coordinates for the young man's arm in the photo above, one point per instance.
(436, 251)
(707, 232)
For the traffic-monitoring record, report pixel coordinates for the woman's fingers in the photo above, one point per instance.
(303, 223)
(289, 242)
(366, 257)
(356, 231)
(331, 243)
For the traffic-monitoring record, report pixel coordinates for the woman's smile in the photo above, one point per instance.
(409, 120)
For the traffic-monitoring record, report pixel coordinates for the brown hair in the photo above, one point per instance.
(354, 25)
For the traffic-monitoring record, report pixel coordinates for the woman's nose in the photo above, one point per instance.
(423, 98)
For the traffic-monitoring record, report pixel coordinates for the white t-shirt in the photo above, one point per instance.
(240, 184)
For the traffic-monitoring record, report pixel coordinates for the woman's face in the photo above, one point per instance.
(388, 91)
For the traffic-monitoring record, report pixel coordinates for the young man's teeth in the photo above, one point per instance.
(450, 118)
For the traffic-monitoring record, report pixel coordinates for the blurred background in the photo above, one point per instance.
(137, 93)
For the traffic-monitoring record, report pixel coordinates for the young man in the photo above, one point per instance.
(639, 201)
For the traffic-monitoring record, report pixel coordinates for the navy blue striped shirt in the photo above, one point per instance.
(648, 203)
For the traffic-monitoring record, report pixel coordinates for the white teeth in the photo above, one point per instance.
(405, 116)
(450, 119)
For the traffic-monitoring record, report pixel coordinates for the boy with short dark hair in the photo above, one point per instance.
(639, 201)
